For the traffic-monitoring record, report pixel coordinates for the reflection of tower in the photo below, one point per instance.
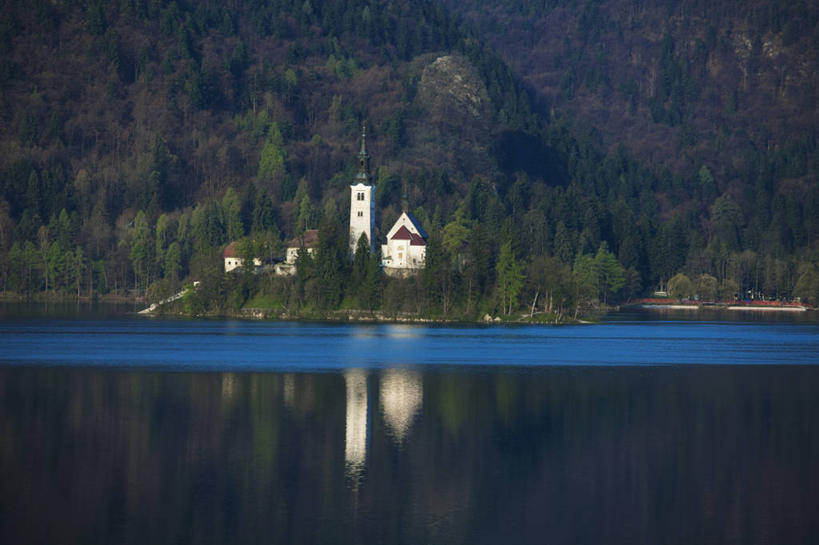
(362, 199)
(289, 390)
(228, 385)
(401, 395)
(355, 447)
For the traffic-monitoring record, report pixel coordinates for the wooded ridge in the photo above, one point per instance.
(138, 138)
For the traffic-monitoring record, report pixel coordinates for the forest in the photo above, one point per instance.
(138, 138)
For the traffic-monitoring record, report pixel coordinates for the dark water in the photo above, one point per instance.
(121, 430)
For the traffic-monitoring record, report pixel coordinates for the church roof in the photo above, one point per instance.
(405, 234)
(417, 225)
(407, 227)
(417, 240)
(402, 234)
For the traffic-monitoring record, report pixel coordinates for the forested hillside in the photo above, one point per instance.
(137, 138)
(680, 83)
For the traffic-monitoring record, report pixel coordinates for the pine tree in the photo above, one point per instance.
(510, 278)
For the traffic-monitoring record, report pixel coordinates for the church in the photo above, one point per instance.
(406, 246)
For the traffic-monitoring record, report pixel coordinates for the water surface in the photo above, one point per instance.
(122, 430)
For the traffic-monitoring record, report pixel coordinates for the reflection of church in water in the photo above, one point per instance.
(400, 396)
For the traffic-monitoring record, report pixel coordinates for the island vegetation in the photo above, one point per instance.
(139, 138)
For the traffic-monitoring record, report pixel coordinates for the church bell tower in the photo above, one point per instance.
(362, 199)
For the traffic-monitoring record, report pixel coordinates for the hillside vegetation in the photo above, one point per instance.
(137, 138)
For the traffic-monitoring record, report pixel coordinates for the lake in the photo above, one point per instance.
(643, 429)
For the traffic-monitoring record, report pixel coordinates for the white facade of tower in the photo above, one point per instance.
(362, 213)
(362, 199)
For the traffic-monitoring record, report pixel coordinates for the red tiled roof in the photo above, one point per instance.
(402, 234)
(230, 250)
(417, 240)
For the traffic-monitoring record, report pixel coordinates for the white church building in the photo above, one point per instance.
(406, 246)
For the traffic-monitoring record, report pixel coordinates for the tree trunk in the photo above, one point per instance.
(534, 302)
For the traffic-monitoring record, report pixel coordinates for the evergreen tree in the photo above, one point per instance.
(142, 249)
(262, 213)
(510, 278)
(232, 215)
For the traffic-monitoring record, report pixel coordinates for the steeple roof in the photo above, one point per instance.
(363, 175)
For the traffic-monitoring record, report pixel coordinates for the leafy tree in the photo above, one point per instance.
(706, 287)
(807, 286)
(232, 215)
(271, 161)
(77, 267)
(143, 246)
(584, 281)
(680, 287)
(456, 234)
(609, 272)
(173, 261)
(549, 280)
(510, 278)
(728, 290)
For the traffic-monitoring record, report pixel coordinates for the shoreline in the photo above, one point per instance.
(364, 317)
(734, 307)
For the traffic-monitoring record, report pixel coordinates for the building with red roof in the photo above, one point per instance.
(406, 247)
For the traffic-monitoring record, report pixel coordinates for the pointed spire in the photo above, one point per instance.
(363, 175)
(363, 151)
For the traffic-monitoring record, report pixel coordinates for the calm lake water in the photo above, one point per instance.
(644, 429)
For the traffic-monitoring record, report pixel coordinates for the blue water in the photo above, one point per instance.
(224, 344)
(643, 429)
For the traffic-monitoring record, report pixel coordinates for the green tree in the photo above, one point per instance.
(564, 249)
(56, 265)
(706, 287)
(680, 286)
(727, 218)
(369, 293)
(77, 268)
(584, 281)
(510, 278)
(143, 246)
(44, 246)
(331, 260)
(456, 233)
(548, 280)
(162, 236)
(263, 218)
(438, 276)
(232, 215)
(807, 285)
(304, 218)
(609, 272)
(271, 161)
(173, 261)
